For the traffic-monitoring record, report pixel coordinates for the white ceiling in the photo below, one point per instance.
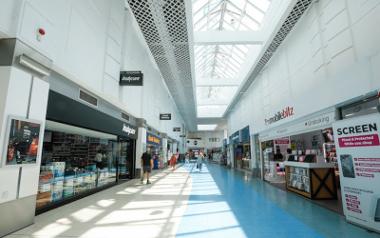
(208, 50)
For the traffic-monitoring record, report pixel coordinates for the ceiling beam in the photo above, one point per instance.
(226, 38)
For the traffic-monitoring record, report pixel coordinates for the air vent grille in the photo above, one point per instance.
(125, 116)
(88, 98)
(164, 26)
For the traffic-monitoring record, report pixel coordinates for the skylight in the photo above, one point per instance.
(232, 15)
(219, 67)
(207, 127)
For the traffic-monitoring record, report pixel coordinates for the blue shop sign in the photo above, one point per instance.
(152, 139)
(235, 138)
(245, 134)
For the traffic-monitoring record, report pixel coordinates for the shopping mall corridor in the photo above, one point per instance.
(214, 202)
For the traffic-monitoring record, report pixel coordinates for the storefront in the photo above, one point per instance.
(84, 151)
(241, 148)
(301, 157)
(154, 145)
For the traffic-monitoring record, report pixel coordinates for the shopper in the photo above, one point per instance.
(288, 153)
(200, 161)
(173, 161)
(147, 164)
(187, 158)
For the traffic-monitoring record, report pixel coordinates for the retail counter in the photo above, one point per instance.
(312, 180)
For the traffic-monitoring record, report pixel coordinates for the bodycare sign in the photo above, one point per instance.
(358, 149)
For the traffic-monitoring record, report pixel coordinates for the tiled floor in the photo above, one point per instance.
(228, 203)
(127, 210)
(214, 202)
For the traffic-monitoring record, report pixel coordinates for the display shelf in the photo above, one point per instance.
(312, 180)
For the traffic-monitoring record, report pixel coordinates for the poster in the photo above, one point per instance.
(358, 153)
(22, 141)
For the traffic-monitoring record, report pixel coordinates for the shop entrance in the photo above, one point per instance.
(242, 156)
(125, 153)
(305, 164)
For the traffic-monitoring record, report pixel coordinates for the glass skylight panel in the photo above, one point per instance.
(236, 14)
(223, 61)
(207, 127)
(261, 4)
(215, 95)
(211, 110)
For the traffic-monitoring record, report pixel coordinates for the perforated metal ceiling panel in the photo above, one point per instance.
(163, 24)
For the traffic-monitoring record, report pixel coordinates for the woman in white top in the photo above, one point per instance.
(200, 161)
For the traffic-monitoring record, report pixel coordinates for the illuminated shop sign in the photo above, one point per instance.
(152, 139)
(127, 129)
(285, 113)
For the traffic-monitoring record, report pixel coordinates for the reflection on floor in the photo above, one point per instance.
(127, 210)
(214, 202)
(228, 203)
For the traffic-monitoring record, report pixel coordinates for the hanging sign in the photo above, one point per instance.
(131, 78)
(165, 116)
(358, 149)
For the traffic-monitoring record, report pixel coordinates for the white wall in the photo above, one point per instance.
(89, 42)
(331, 56)
(205, 136)
(9, 17)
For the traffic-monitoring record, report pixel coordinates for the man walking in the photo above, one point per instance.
(147, 165)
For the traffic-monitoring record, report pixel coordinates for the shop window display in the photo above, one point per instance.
(73, 164)
(311, 147)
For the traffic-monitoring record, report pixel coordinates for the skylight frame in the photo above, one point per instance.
(223, 61)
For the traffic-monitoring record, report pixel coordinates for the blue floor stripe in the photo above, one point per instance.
(225, 203)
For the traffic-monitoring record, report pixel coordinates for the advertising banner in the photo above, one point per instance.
(358, 149)
(23, 140)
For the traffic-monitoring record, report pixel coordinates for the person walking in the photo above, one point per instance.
(200, 161)
(173, 161)
(187, 158)
(147, 164)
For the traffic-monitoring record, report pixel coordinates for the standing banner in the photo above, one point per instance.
(358, 149)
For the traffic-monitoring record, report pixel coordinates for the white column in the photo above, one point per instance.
(23, 96)
(140, 146)
(165, 149)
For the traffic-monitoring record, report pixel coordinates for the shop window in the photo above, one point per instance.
(74, 164)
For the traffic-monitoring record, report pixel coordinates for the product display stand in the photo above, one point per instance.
(312, 180)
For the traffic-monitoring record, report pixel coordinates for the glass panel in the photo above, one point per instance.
(73, 164)
(211, 110)
(215, 94)
(261, 4)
